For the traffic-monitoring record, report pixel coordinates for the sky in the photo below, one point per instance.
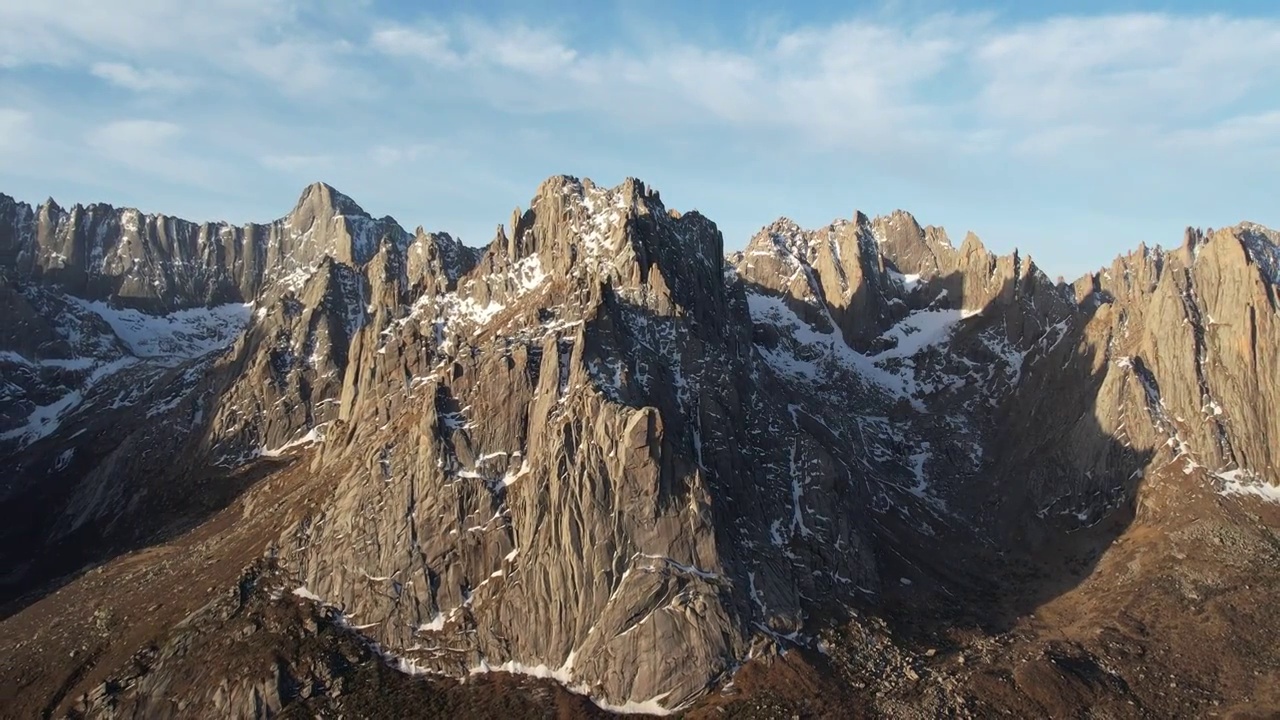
(1072, 131)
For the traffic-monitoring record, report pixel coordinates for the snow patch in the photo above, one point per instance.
(436, 624)
(909, 283)
(509, 478)
(1246, 482)
(829, 347)
(302, 592)
(563, 675)
(920, 330)
(178, 336)
(314, 435)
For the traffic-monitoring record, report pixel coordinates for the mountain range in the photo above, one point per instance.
(328, 466)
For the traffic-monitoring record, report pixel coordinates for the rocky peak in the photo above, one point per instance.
(783, 236)
(320, 199)
(437, 260)
(1263, 246)
(326, 222)
(50, 209)
(622, 237)
(913, 250)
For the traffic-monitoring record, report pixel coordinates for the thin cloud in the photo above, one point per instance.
(131, 78)
(295, 164)
(427, 43)
(1124, 68)
(124, 138)
(63, 32)
(1260, 130)
(208, 42)
(390, 155)
(518, 48)
(15, 130)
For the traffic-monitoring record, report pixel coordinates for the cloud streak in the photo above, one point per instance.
(126, 138)
(131, 78)
(1043, 87)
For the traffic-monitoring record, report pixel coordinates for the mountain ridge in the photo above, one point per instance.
(340, 200)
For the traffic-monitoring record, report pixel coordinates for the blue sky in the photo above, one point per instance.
(1071, 130)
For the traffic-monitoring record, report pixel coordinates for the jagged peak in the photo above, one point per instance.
(323, 195)
(632, 189)
(50, 207)
(561, 184)
(972, 243)
(1259, 230)
(900, 215)
(10, 201)
(782, 236)
(782, 224)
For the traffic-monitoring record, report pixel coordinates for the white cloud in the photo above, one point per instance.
(294, 89)
(1124, 68)
(948, 83)
(300, 67)
(517, 47)
(423, 43)
(126, 139)
(131, 78)
(155, 150)
(273, 41)
(66, 31)
(477, 45)
(849, 84)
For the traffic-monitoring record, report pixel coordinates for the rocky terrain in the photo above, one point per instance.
(328, 467)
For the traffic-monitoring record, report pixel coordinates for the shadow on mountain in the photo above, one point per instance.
(1052, 489)
(1030, 518)
(166, 501)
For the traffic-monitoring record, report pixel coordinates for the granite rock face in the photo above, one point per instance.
(599, 450)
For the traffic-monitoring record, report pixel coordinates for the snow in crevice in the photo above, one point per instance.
(809, 354)
(797, 496)
(667, 563)
(311, 437)
(45, 419)
(435, 625)
(460, 316)
(817, 350)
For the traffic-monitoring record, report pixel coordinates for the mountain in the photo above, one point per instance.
(327, 466)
